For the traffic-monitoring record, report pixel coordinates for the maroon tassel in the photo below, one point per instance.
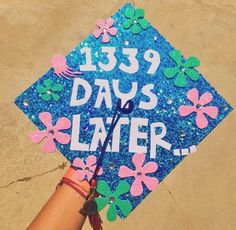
(95, 221)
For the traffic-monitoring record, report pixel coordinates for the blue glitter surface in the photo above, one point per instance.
(182, 132)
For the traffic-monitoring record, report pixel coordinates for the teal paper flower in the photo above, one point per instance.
(135, 20)
(112, 199)
(48, 91)
(182, 69)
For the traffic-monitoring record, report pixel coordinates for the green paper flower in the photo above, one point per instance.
(135, 20)
(48, 91)
(182, 69)
(112, 199)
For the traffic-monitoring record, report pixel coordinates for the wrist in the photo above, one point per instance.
(70, 179)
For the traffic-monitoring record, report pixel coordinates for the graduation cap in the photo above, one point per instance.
(126, 104)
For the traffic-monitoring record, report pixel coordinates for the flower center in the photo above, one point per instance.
(135, 21)
(199, 106)
(111, 199)
(51, 132)
(86, 169)
(139, 174)
(104, 30)
(182, 68)
(49, 91)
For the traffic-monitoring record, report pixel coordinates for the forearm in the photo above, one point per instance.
(61, 212)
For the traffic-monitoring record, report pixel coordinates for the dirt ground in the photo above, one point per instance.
(200, 192)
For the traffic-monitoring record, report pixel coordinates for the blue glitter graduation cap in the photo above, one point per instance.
(165, 108)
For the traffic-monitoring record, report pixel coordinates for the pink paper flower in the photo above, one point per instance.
(86, 170)
(139, 174)
(199, 107)
(105, 28)
(52, 132)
